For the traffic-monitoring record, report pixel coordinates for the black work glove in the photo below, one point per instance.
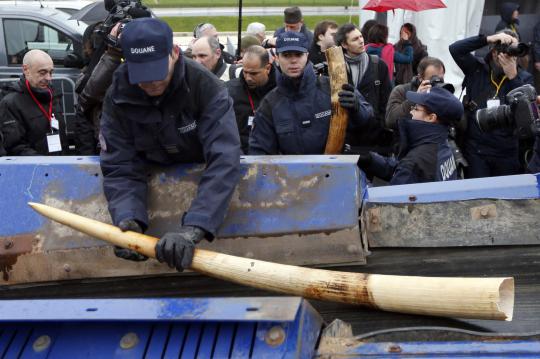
(176, 248)
(364, 159)
(124, 253)
(349, 98)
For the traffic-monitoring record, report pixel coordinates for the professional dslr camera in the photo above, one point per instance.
(520, 112)
(519, 50)
(435, 81)
(120, 11)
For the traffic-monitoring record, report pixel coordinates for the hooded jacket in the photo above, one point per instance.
(294, 118)
(425, 155)
(193, 121)
(23, 124)
(240, 93)
(507, 9)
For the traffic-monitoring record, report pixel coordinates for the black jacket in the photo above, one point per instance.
(500, 142)
(193, 121)
(316, 56)
(238, 90)
(90, 102)
(24, 126)
(373, 135)
(425, 155)
(294, 118)
(536, 42)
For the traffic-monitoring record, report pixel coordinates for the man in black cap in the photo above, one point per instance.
(293, 21)
(163, 108)
(425, 155)
(294, 118)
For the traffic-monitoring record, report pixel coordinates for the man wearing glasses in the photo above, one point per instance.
(425, 155)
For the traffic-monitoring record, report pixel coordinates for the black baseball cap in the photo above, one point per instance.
(146, 45)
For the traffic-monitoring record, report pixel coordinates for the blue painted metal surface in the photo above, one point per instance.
(136, 328)
(466, 349)
(289, 194)
(504, 187)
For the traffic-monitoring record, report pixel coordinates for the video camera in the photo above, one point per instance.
(120, 11)
(519, 50)
(520, 112)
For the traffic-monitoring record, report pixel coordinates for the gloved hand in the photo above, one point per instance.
(364, 159)
(176, 248)
(124, 253)
(349, 98)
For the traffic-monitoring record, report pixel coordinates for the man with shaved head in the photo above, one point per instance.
(31, 119)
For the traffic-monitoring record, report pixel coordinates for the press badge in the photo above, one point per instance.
(53, 143)
(54, 123)
(250, 121)
(493, 103)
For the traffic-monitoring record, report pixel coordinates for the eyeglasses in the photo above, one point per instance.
(417, 108)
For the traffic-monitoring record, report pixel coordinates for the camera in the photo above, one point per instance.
(120, 11)
(435, 81)
(519, 50)
(520, 112)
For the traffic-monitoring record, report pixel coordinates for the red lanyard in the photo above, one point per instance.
(48, 116)
(251, 102)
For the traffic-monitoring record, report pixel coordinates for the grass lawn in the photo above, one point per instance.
(227, 3)
(230, 23)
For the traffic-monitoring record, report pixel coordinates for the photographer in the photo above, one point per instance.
(430, 69)
(488, 81)
(99, 78)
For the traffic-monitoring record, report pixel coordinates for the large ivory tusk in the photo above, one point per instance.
(338, 121)
(477, 298)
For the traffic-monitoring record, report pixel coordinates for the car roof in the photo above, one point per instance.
(59, 17)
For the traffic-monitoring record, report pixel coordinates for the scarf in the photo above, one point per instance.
(358, 66)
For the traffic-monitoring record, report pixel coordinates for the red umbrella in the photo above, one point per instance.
(413, 5)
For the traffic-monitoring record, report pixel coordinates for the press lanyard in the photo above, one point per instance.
(251, 102)
(48, 115)
(497, 86)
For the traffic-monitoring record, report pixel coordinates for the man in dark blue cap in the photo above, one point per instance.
(164, 108)
(424, 155)
(294, 118)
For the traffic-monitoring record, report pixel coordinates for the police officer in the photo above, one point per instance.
(164, 108)
(294, 118)
(425, 155)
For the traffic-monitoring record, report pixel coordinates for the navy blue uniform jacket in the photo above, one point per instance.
(425, 155)
(294, 118)
(193, 121)
(500, 142)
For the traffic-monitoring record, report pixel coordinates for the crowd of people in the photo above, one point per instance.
(144, 100)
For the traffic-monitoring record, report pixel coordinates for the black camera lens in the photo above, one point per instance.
(489, 119)
(519, 50)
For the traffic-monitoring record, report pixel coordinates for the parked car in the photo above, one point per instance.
(26, 28)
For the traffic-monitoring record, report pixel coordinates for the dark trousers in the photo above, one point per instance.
(489, 166)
